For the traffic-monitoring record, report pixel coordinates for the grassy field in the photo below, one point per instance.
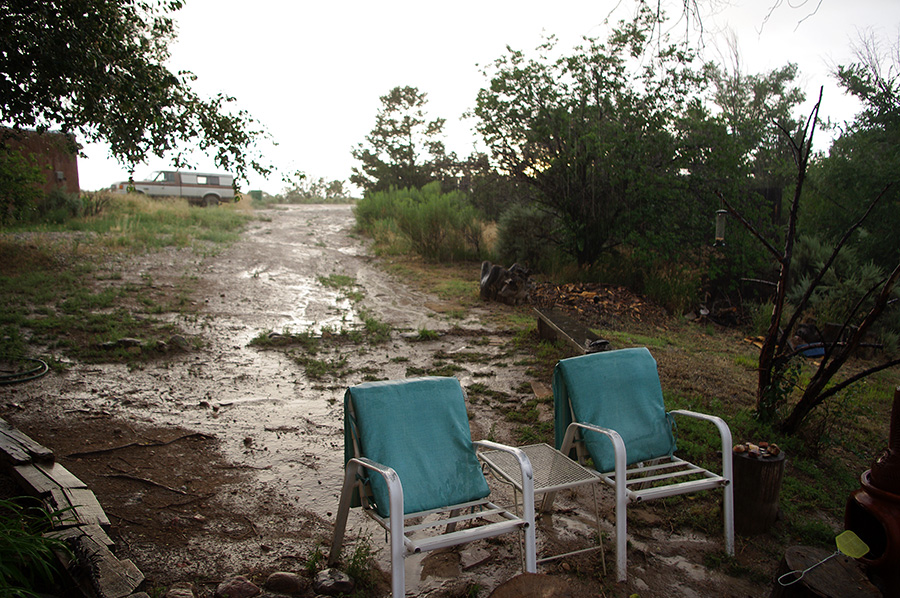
(63, 289)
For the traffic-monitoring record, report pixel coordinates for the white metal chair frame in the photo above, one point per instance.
(403, 545)
(639, 478)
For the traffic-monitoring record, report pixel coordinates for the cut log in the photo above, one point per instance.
(838, 577)
(757, 486)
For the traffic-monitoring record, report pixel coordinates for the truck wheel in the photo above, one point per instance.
(210, 200)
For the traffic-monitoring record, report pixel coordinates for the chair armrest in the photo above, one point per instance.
(521, 457)
(614, 437)
(724, 434)
(395, 488)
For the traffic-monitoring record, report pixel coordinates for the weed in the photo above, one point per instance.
(27, 556)
(425, 334)
(361, 567)
(315, 560)
(376, 332)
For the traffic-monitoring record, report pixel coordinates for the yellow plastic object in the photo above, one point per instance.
(850, 544)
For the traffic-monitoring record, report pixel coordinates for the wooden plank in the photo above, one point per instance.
(109, 576)
(87, 507)
(59, 474)
(76, 506)
(39, 479)
(113, 578)
(94, 531)
(36, 451)
(12, 452)
(554, 325)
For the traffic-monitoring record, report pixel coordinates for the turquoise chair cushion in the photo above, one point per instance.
(619, 390)
(420, 428)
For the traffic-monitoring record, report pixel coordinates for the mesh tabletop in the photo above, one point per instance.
(552, 469)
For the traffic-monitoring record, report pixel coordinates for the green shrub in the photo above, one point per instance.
(523, 233)
(20, 186)
(27, 560)
(438, 226)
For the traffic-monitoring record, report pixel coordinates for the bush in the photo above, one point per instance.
(438, 226)
(20, 186)
(27, 560)
(522, 236)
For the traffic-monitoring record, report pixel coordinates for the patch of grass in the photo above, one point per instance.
(425, 334)
(60, 290)
(361, 567)
(323, 369)
(27, 558)
(269, 339)
(376, 331)
(315, 560)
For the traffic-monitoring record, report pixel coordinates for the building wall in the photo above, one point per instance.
(53, 153)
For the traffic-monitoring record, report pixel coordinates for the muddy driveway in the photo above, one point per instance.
(226, 458)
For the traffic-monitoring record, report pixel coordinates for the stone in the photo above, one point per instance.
(332, 582)
(180, 590)
(285, 582)
(237, 587)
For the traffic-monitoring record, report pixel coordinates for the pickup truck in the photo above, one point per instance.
(206, 189)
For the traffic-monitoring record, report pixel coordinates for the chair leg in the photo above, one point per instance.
(621, 533)
(340, 524)
(728, 509)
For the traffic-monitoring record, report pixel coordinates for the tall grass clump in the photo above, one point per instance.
(27, 559)
(438, 226)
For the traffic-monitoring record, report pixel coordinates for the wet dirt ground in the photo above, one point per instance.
(226, 459)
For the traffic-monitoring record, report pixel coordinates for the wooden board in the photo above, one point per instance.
(40, 479)
(77, 506)
(16, 448)
(553, 325)
(111, 577)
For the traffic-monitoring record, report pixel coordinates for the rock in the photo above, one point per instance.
(332, 582)
(179, 342)
(181, 590)
(139, 595)
(237, 587)
(285, 583)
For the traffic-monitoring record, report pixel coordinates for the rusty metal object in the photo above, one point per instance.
(886, 469)
(873, 511)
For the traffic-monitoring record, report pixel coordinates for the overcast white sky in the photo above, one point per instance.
(313, 72)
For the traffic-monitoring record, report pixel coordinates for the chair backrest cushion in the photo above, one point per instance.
(619, 390)
(420, 428)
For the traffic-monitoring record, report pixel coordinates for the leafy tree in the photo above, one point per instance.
(404, 149)
(308, 190)
(596, 139)
(865, 159)
(750, 104)
(97, 67)
(867, 306)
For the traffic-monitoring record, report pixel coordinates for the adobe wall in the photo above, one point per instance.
(53, 153)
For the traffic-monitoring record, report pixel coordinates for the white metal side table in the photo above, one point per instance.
(553, 471)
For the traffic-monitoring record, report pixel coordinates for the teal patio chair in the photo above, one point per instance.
(609, 407)
(413, 467)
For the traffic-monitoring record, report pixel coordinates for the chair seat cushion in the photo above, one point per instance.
(420, 428)
(618, 390)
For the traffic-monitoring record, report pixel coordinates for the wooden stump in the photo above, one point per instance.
(532, 585)
(838, 577)
(757, 486)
